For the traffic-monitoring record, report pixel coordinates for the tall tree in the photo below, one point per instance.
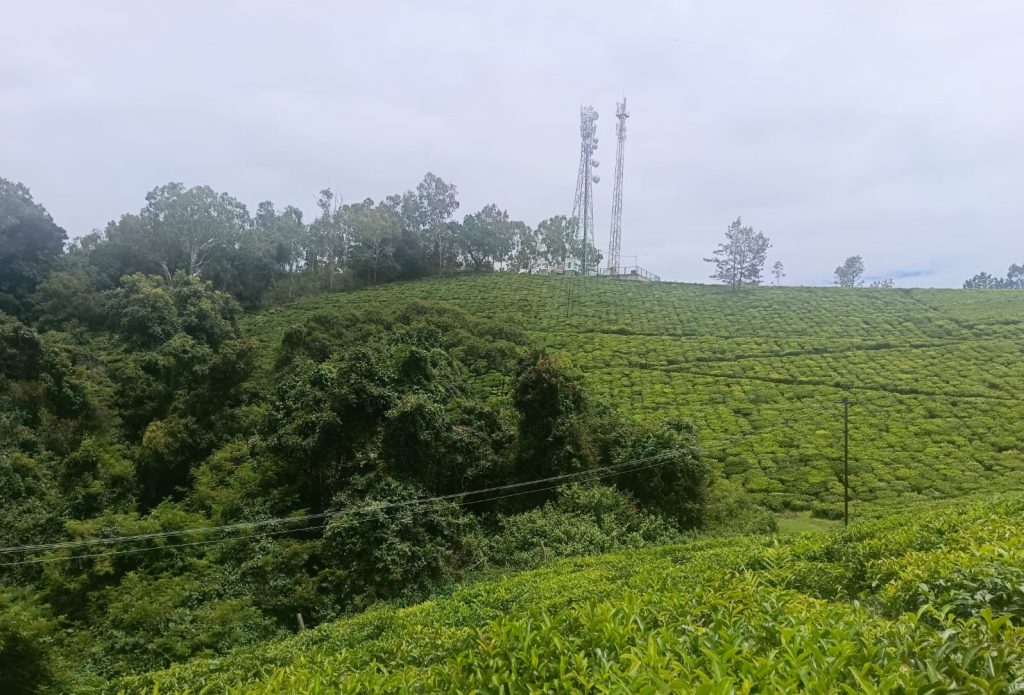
(374, 231)
(560, 240)
(326, 241)
(1015, 276)
(778, 272)
(739, 261)
(484, 238)
(182, 229)
(283, 233)
(850, 272)
(30, 242)
(437, 201)
(525, 252)
(556, 236)
(411, 247)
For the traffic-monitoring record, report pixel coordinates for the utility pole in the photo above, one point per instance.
(846, 462)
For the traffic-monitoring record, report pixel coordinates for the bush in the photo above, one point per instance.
(729, 510)
(583, 520)
(26, 630)
(391, 548)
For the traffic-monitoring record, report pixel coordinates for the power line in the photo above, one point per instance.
(593, 473)
(265, 534)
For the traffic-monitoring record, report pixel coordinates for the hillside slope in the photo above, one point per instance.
(931, 601)
(935, 375)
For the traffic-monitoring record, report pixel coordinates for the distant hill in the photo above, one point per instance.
(936, 376)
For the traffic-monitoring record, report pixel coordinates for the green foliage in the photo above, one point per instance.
(142, 312)
(552, 410)
(581, 520)
(71, 296)
(1014, 280)
(206, 417)
(30, 242)
(96, 478)
(677, 487)
(739, 261)
(849, 273)
(39, 386)
(180, 230)
(483, 237)
(386, 551)
(150, 622)
(32, 508)
(26, 631)
(804, 613)
(934, 375)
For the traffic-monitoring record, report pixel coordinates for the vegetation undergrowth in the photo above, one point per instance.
(926, 602)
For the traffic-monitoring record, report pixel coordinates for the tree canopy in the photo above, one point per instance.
(30, 243)
(1014, 280)
(850, 272)
(739, 260)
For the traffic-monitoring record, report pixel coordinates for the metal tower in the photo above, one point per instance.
(615, 237)
(583, 205)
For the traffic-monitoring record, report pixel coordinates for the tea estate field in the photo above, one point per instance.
(935, 376)
(928, 601)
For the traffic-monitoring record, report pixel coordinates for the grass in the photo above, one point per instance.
(930, 601)
(935, 375)
(803, 522)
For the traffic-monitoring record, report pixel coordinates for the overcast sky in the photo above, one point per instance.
(887, 129)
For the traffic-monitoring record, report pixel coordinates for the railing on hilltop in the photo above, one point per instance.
(630, 272)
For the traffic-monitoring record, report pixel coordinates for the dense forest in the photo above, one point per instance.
(165, 494)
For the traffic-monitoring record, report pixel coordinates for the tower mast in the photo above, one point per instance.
(583, 204)
(615, 236)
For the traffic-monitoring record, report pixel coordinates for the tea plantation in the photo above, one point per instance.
(936, 376)
(927, 601)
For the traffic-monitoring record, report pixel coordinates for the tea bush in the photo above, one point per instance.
(927, 601)
(935, 375)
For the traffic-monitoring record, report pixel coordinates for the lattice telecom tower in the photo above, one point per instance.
(615, 237)
(583, 205)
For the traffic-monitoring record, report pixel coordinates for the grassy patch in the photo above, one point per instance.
(804, 522)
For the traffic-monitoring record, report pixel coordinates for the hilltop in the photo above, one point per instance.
(935, 375)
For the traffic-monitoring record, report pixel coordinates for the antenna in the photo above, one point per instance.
(615, 236)
(583, 205)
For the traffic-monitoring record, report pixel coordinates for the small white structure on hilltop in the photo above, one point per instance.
(571, 266)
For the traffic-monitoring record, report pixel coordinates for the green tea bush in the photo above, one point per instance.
(935, 374)
(894, 605)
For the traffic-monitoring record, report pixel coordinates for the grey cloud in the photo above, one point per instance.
(880, 129)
